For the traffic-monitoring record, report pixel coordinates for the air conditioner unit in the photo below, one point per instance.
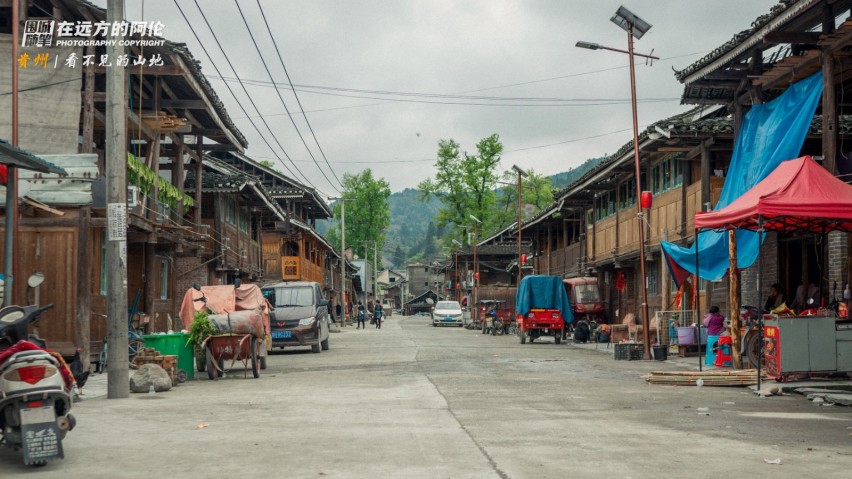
(132, 196)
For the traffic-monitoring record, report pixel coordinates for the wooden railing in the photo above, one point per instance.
(559, 262)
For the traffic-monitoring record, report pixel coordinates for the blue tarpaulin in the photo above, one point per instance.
(770, 133)
(543, 292)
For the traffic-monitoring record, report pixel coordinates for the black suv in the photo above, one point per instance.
(299, 315)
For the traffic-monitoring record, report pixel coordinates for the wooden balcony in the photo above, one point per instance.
(559, 261)
(295, 268)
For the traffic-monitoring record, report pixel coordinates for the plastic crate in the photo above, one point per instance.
(629, 352)
(173, 344)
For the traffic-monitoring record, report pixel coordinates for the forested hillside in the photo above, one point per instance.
(413, 235)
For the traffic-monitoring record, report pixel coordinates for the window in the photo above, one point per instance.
(627, 194)
(284, 297)
(652, 280)
(605, 205)
(164, 279)
(103, 263)
(244, 219)
(230, 211)
(667, 175)
(392, 280)
(425, 283)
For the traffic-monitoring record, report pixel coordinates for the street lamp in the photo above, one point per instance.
(521, 173)
(475, 267)
(456, 267)
(635, 27)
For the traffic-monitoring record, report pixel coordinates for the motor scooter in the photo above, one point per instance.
(35, 390)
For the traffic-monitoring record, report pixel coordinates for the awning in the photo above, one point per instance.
(12, 155)
(799, 195)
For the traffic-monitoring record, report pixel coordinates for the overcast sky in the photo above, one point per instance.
(495, 48)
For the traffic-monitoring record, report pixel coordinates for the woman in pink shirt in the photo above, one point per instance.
(714, 321)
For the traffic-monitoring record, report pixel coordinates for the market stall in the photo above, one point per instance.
(799, 196)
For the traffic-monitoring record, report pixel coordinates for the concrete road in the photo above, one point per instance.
(413, 401)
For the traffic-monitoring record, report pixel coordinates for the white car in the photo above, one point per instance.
(446, 313)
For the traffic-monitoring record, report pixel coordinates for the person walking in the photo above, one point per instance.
(378, 312)
(362, 316)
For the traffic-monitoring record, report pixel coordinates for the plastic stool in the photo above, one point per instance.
(710, 357)
(723, 354)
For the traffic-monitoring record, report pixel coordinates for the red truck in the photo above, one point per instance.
(543, 308)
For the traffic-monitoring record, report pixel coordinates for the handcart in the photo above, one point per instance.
(234, 347)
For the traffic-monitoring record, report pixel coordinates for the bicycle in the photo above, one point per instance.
(135, 343)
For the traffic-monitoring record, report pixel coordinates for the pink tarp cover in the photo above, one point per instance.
(224, 299)
(798, 195)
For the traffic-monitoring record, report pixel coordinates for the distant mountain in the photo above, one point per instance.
(561, 180)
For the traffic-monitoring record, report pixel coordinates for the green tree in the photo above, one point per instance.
(465, 183)
(537, 192)
(398, 256)
(367, 213)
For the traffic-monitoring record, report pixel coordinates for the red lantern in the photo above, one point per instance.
(458, 285)
(476, 275)
(524, 259)
(646, 200)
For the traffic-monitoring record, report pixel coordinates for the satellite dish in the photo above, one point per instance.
(430, 301)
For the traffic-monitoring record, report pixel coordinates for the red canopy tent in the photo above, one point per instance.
(799, 195)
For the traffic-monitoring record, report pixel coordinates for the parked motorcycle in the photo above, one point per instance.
(35, 390)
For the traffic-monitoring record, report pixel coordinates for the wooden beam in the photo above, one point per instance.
(171, 150)
(734, 300)
(199, 153)
(166, 70)
(175, 104)
(672, 149)
(42, 206)
(201, 92)
(829, 114)
(800, 38)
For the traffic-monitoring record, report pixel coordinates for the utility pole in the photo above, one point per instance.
(343, 258)
(118, 379)
(375, 270)
(11, 225)
(475, 268)
(521, 173)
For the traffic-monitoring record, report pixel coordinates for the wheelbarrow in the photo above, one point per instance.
(233, 347)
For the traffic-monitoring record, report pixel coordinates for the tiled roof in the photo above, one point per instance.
(736, 40)
(182, 51)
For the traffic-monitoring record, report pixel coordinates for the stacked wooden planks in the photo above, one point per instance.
(741, 377)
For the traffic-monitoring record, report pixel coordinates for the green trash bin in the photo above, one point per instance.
(174, 345)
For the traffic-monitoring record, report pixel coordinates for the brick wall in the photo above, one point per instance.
(838, 263)
(748, 278)
(185, 280)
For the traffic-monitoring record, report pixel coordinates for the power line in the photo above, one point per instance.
(257, 83)
(290, 116)
(239, 104)
(250, 99)
(537, 102)
(306, 88)
(299, 102)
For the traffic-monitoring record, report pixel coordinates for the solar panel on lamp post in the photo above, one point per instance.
(635, 27)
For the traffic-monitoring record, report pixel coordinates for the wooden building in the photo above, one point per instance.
(174, 117)
(592, 227)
